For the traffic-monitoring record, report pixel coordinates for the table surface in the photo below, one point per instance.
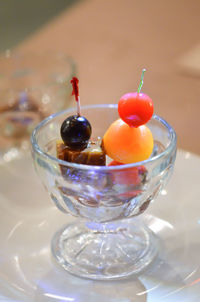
(111, 41)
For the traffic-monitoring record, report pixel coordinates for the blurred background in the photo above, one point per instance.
(20, 18)
(111, 41)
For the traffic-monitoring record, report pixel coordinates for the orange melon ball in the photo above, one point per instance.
(127, 144)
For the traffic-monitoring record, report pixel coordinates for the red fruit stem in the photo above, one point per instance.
(75, 92)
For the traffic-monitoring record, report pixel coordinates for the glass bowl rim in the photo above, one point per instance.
(39, 151)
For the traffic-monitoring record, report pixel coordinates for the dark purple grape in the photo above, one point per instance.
(75, 132)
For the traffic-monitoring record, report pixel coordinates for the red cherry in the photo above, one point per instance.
(135, 108)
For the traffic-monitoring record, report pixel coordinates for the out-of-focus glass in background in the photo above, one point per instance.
(32, 85)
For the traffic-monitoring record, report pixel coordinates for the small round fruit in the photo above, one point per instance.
(75, 132)
(135, 108)
(126, 144)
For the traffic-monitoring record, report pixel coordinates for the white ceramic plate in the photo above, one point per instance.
(28, 220)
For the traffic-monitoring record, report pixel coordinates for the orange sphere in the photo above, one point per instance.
(127, 144)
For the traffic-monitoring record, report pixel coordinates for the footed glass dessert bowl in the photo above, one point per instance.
(109, 239)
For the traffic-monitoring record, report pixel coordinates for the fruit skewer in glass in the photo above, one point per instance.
(127, 140)
(76, 132)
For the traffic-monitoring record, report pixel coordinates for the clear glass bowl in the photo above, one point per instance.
(109, 239)
(32, 86)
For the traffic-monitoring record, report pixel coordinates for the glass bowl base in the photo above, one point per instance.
(105, 251)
